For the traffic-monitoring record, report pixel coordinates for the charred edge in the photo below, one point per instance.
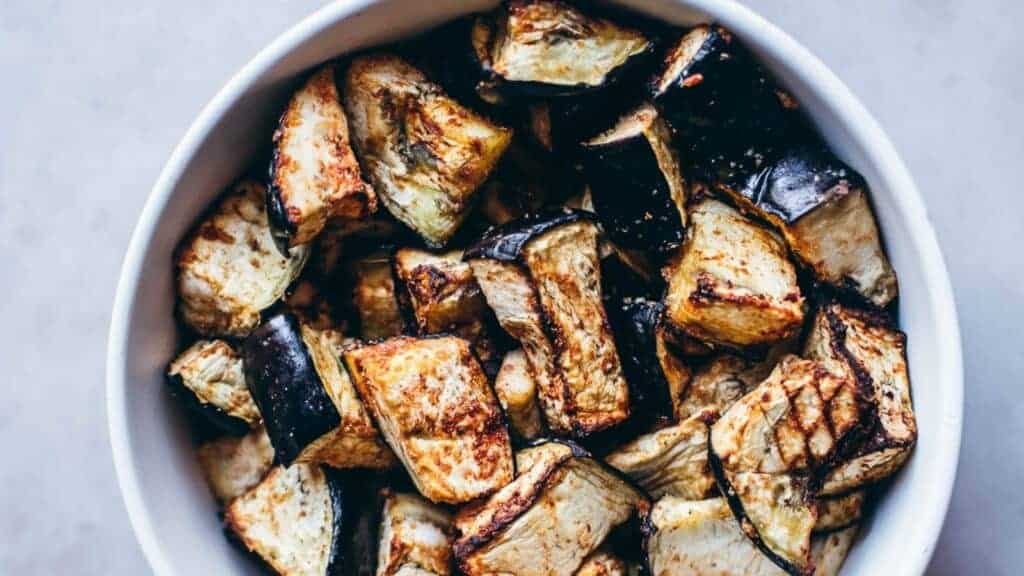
(281, 227)
(225, 422)
(506, 242)
(410, 325)
(866, 404)
(745, 524)
(340, 516)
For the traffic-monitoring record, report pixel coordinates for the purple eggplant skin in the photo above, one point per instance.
(209, 413)
(356, 506)
(506, 242)
(281, 227)
(286, 387)
(635, 324)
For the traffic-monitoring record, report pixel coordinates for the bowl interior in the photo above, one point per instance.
(174, 515)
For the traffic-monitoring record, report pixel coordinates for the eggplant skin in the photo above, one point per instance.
(636, 182)
(314, 175)
(550, 48)
(283, 380)
(209, 378)
(425, 153)
(229, 269)
(506, 242)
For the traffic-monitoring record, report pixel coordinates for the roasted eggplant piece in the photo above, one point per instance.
(865, 345)
(374, 297)
(821, 207)
(541, 277)
(769, 449)
(441, 295)
(425, 154)
(602, 563)
(347, 238)
(839, 512)
(437, 411)
(232, 465)
(210, 379)
(830, 551)
(636, 183)
(732, 283)
(517, 392)
(309, 407)
(522, 184)
(294, 520)
(229, 269)
(314, 175)
(549, 519)
(415, 538)
(730, 118)
(701, 537)
(550, 48)
(725, 378)
(670, 461)
(308, 302)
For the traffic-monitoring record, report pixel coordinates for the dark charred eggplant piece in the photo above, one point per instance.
(210, 379)
(232, 466)
(560, 508)
(309, 407)
(769, 450)
(732, 283)
(415, 537)
(425, 153)
(435, 406)
(229, 270)
(264, 519)
(821, 207)
(701, 537)
(314, 175)
(636, 183)
(308, 302)
(541, 277)
(374, 297)
(865, 345)
(523, 183)
(465, 67)
(550, 48)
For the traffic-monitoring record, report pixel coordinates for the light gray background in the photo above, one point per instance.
(95, 96)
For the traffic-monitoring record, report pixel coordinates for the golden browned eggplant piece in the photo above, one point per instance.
(550, 48)
(769, 448)
(821, 207)
(549, 519)
(440, 294)
(517, 393)
(602, 563)
(425, 154)
(867, 347)
(229, 269)
(732, 283)
(374, 297)
(723, 379)
(233, 465)
(670, 461)
(314, 175)
(636, 183)
(830, 550)
(839, 512)
(436, 409)
(415, 538)
(210, 379)
(541, 277)
(309, 406)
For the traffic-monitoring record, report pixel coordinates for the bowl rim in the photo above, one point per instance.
(742, 20)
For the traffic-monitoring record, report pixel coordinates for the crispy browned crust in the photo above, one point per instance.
(338, 184)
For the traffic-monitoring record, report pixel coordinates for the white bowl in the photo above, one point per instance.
(173, 515)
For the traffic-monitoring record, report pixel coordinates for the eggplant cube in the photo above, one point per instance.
(374, 297)
(425, 154)
(232, 466)
(309, 406)
(548, 520)
(293, 520)
(670, 461)
(415, 538)
(541, 276)
(314, 174)
(767, 448)
(517, 392)
(229, 269)
(732, 284)
(636, 183)
(443, 296)
(821, 207)
(436, 409)
(552, 48)
(864, 345)
(701, 537)
(210, 374)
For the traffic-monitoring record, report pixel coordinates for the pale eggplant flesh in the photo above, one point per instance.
(209, 379)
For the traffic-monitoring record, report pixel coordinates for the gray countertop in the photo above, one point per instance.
(97, 96)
